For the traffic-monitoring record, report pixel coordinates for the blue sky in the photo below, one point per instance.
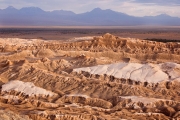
(131, 7)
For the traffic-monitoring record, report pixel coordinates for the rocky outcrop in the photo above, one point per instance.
(104, 77)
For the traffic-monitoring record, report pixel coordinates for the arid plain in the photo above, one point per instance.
(90, 73)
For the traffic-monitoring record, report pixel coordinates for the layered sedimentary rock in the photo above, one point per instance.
(103, 77)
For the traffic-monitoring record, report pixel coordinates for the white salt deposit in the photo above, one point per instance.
(173, 70)
(144, 100)
(27, 88)
(78, 95)
(19, 41)
(152, 73)
(12, 97)
(81, 38)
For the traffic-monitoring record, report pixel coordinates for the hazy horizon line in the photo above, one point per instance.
(93, 27)
(84, 11)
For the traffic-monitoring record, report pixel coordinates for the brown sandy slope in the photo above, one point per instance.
(45, 85)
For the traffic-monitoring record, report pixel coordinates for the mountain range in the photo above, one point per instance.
(34, 16)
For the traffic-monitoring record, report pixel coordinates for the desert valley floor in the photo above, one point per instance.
(89, 77)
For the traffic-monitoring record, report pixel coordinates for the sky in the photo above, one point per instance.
(131, 7)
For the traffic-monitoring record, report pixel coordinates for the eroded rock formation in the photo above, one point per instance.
(103, 77)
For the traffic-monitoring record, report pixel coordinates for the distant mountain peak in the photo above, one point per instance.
(97, 16)
(97, 9)
(10, 8)
(164, 15)
(105, 11)
(63, 12)
(31, 8)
